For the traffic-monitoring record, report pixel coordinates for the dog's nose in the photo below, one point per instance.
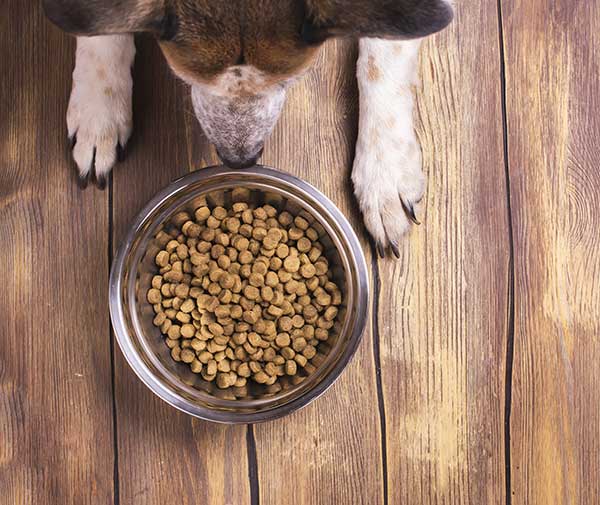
(238, 164)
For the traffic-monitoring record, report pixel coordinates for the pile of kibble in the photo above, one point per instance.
(244, 293)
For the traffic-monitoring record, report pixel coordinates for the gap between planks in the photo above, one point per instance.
(510, 317)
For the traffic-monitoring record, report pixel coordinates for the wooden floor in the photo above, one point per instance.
(478, 379)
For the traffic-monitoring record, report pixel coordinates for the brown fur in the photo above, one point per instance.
(202, 38)
(263, 33)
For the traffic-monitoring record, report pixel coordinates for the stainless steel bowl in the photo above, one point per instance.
(133, 268)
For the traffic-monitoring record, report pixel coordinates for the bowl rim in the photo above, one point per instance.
(124, 340)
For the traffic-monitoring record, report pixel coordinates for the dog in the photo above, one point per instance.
(239, 57)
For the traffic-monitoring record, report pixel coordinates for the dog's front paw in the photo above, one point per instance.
(388, 182)
(99, 117)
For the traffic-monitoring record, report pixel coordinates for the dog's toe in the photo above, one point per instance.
(96, 152)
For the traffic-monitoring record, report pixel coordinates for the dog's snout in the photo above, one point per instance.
(237, 163)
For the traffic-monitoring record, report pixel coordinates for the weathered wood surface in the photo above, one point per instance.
(443, 309)
(553, 137)
(476, 381)
(56, 438)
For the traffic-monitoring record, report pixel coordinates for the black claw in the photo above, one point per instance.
(83, 180)
(121, 153)
(101, 182)
(410, 211)
(395, 250)
(380, 250)
(72, 141)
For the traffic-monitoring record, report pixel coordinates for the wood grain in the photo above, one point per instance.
(436, 348)
(56, 443)
(166, 456)
(553, 124)
(330, 452)
(443, 309)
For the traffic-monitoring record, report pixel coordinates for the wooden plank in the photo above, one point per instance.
(166, 456)
(553, 124)
(55, 381)
(330, 452)
(443, 308)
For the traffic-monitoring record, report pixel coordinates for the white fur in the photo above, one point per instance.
(238, 111)
(100, 109)
(387, 167)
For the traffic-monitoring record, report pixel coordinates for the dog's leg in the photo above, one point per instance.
(387, 174)
(99, 115)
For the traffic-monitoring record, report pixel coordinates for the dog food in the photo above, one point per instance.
(243, 293)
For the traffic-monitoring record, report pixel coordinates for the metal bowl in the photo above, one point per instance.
(133, 268)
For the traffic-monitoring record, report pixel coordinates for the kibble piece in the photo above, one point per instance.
(250, 316)
(157, 281)
(159, 319)
(245, 257)
(187, 355)
(213, 223)
(300, 359)
(206, 376)
(166, 326)
(283, 251)
(274, 311)
(271, 279)
(188, 331)
(171, 343)
(291, 368)
(187, 306)
(291, 264)
(285, 323)
(154, 296)
(211, 367)
(244, 370)
(288, 353)
(256, 280)
(182, 290)
(196, 366)
(202, 214)
(269, 354)
(304, 245)
(301, 223)
(176, 353)
(223, 364)
(251, 292)
(299, 344)
(266, 293)
(220, 213)
(312, 283)
(295, 233)
(174, 332)
(261, 377)
(198, 345)
(285, 219)
(254, 367)
(330, 313)
(298, 321)
(308, 270)
(283, 340)
(260, 267)
(162, 259)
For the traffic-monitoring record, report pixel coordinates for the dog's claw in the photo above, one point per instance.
(395, 249)
(72, 141)
(380, 250)
(101, 182)
(83, 180)
(121, 152)
(410, 211)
